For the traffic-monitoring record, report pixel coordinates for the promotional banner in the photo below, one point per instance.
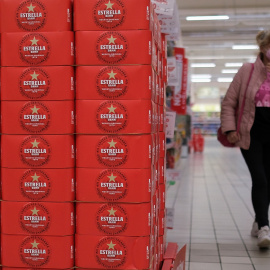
(170, 124)
(173, 71)
(165, 7)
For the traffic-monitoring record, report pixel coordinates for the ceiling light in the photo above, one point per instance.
(200, 80)
(201, 76)
(229, 70)
(207, 18)
(203, 65)
(233, 64)
(224, 79)
(245, 47)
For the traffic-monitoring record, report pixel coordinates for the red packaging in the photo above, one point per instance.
(113, 185)
(111, 116)
(37, 251)
(36, 151)
(162, 196)
(33, 15)
(113, 14)
(37, 49)
(99, 151)
(54, 185)
(162, 144)
(161, 171)
(37, 218)
(35, 117)
(112, 252)
(113, 47)
(114, 82)
(161, 118)
(161, 226)
(113, 219)
(38, 83)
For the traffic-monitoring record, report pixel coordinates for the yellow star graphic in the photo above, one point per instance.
(112, 178)
(34, 76)
(111, 40)
(112, 75)
(31, 8)
(112, 144)
(35, 211)
(112, 212)
(111, 109)
(111, 245)
(35, 244)
(109, 5)
(35, 144)
(34, 41)
(35, 110)
(35, 177)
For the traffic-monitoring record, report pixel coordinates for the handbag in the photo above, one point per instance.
(222, 138)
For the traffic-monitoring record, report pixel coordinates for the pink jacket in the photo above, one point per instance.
(234, 96)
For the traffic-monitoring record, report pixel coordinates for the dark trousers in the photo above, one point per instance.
(257, 158)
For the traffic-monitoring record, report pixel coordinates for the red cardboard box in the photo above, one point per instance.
(113, 14)
(36, 151)
(35, 117)
(54, 185)
(37, 251)
(161, 171)
(112, 252)
(33, 15)
(37, 218)
(161, 118)
(111, 116)
(35, 49)
(113, 47)
(114, 82)
(38, 83)
(113, 185)
(99, 151)
(113, 219)
(162, 144)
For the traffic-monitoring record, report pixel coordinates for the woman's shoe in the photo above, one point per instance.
(255, 229)
(263, 237)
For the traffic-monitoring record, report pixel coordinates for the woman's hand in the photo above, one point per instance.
(233, 137)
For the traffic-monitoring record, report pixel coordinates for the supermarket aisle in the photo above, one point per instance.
(213, 212)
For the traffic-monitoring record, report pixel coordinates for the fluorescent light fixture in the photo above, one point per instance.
(245, 47)
(207, 18)
(200, 80)
(201, 76)
(233, 64)
(224, 79)
(203, 65)
(229, 70)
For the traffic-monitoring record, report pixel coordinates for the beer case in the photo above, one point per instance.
(162, 144)
(37, 151)
(115, 117)
(50, 185)
(113, 47)
(37, 218)
(112, 252)
(114, 151)
(114, 82)
(113, 185)
(37, 83)
(113, 219)
(37, 49)
(38, 117)
(37, 251)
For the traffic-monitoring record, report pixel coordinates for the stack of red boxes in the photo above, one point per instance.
(120, 138)
(37, 148)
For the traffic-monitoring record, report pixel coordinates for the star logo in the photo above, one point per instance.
(35, 177)
(34, 76)
(111, 40)
(35, 211)
(35, 110)
(111, 245)
(112, 178)
(112, 144)
(111, 109)
(34, 41)
(109, 5)
(31, 8)
(112, 212)
(112, 75)
(35, 144)
(35, 244)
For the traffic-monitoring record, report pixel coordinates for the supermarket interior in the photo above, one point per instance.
(110, 158)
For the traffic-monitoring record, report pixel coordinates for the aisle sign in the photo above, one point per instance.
(173, 71)
(170, 124)
(173, 175)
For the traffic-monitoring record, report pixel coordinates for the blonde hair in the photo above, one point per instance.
(263, 39)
